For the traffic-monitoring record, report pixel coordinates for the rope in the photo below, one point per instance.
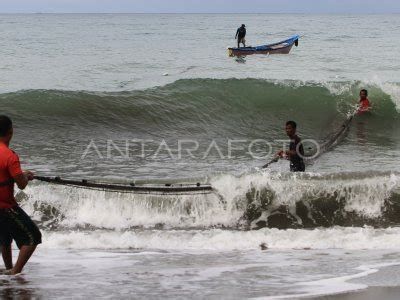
(166, 189)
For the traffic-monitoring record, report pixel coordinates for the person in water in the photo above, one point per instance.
(240, 35)
(364, 104)
(296, 152)
(15, 224)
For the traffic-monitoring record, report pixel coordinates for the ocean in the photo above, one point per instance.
(154, 98)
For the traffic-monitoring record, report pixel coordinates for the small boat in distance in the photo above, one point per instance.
(283, 47)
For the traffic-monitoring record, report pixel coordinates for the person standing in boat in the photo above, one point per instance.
(240, 35)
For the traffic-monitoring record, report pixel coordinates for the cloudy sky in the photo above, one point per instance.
(201, 6)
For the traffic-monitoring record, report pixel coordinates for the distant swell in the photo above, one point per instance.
(230, 107)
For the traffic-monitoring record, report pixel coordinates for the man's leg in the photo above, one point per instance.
(5, 244)
(7, 256)
(26, 235)
(24, 254)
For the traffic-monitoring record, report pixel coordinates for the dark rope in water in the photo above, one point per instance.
(336, 138)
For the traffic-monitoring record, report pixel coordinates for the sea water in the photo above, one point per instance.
(82, 90)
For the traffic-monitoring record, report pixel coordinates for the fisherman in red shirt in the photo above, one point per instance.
(15, 224)
(364, 105)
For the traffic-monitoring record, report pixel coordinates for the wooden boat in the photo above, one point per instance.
(283, 47)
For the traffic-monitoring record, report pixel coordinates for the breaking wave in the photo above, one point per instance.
(249, 201)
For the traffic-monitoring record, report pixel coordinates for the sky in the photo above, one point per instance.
(200, 6)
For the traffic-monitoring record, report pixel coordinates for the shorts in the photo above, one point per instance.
(16, 225)
(241, 40)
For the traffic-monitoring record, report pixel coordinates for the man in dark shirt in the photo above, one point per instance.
(240, 35)
(296, 152)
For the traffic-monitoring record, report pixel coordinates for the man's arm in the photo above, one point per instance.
(298, 149)
(286, 154)
(237, 32)
(22, 179)
(290, 153)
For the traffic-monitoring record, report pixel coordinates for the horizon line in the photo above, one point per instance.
(202, 13)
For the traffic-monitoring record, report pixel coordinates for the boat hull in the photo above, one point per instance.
(282, 47)
(244, 52)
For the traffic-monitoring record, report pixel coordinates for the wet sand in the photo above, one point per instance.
(371, 293)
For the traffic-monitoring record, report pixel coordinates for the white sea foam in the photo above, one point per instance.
(392, 89)
(334, 285)
(363, 194)
(351, 238)
(349, 87)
